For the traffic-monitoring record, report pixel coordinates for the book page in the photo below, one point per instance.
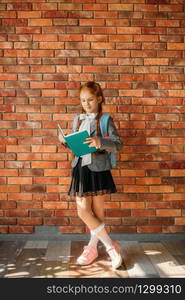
(61, 131)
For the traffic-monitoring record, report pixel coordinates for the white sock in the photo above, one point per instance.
(102, 235)
(93, 241)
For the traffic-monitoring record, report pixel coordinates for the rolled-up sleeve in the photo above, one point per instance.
(112, 143)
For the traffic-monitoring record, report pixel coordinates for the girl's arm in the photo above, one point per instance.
(63, 142)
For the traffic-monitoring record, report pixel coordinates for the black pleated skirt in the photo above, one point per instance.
(85, 182)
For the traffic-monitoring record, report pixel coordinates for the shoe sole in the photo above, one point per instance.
(86, 264)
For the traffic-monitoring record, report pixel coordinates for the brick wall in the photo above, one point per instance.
(135, 49)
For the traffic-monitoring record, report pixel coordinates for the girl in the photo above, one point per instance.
(91, 176)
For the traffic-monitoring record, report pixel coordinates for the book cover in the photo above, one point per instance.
(75, 142)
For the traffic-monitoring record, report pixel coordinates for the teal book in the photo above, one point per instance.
(75, 142)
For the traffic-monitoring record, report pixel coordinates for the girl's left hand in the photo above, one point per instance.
(93, 142)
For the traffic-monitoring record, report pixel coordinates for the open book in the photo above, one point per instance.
(75, 142)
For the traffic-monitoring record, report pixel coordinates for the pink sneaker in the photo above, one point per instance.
(88, 256)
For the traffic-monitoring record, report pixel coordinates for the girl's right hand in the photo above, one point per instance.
(61, 139)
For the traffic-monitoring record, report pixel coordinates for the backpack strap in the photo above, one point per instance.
(104, 131)
(104, 124)
(75, 123)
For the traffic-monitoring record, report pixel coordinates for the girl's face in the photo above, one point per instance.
(89, 101)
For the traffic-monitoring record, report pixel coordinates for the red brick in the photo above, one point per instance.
(64, 180)
(95, 7)
(119, 7)
(19, 180)
(41, 213)
(180, 221)
(14, 22)
(29, 156)
(22, 196)
(15, 53)
(6, 45)
(177, 93)
(149, 229)
(43, 180)
(44, 6)
(34, 188)
(129, 30)
(4, 229)
(123, 229)
(3, 180)
(104, 30)
(45, 148)
(105, 61)
(29, 14)
(55, 221)
(143, 212)
(8, 221)
(30, 221)
(70, 6)
(107, 16)
(39, 117)
(171, 7)
(8, 14)
(173, 229)
(16, 213)
(18, 148)
(92, 22)
(7, 204)
(54, 172)
(156, 61)
(132, 173)
(167, 23)
(96, 69)
(133, 205)
(148, 181)
(21, 229)
(168, 212)
(44, 37)
(72, 229)
(174, 197)
(41, 53)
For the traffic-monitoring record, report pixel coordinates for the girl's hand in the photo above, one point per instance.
(93, 142)
(61, 139)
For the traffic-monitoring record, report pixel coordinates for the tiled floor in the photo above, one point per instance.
(57, 259)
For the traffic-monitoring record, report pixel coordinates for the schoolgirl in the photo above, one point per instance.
(91, 176)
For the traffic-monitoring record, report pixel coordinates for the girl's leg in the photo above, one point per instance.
(113, 248)
(98, 207)
(84, 209)
(98, 211)
(96, 227)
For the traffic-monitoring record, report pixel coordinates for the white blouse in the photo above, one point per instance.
(88, 119)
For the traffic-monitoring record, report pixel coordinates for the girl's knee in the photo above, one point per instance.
(84, 209)
(83, 212)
